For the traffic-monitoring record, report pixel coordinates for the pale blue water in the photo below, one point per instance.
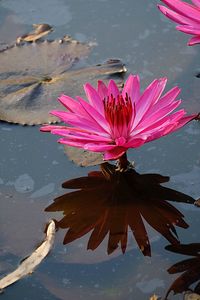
(33, 165)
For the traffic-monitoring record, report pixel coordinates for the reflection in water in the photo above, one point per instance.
(190, 268)
(110, 201)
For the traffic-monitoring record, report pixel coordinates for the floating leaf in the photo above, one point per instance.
(40, 30)
(33, 75)
(82, 157)
(28, 265)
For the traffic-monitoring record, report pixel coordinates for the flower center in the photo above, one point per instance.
(119, 115)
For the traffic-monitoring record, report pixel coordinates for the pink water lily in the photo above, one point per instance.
(112, 122)
(185, 14)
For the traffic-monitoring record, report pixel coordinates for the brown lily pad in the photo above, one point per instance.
(33, 75)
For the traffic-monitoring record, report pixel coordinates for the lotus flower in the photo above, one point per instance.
(185, 14)
(112, 122)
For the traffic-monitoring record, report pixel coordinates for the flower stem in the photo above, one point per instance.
(123, 162)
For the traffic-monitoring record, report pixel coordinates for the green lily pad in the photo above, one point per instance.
(33, 75)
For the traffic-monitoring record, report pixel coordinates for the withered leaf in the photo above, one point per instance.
(33, 75)
(40, 30)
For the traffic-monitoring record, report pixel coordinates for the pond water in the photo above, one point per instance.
(33, 166)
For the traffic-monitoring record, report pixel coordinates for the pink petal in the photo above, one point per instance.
(113, 89)
(161, 124)
(135, 142)
(178, 18)
(94, 115)
(189, 29)
(78, 135)
(120, 141)
(183, 8)
(114, 154)
(167, 98)
(94, 97)
(71, 104)
(168, 126)
(132, 88)
(157, 116)
(78, 121)
(71, 143)
(160, 88)
(183, 121)
(194, 40)
(149, 97)
(99, 147)
(196, 2)
(49, 128)
(102, 90)
(164, 101)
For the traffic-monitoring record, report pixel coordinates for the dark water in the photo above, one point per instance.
(33, 165)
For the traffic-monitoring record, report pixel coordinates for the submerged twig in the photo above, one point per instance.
(30, 263)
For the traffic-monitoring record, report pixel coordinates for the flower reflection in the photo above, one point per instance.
(188, 267)
(111, 201)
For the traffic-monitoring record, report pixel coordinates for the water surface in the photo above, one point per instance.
(33, 165)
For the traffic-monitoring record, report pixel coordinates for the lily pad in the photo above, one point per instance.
(82, 157)
(33, 75)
